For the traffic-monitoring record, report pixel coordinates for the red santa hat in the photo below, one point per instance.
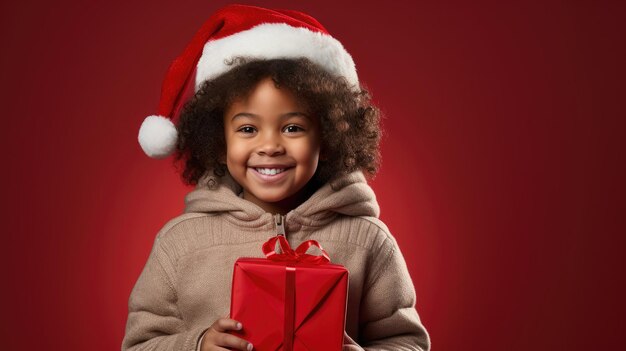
(238, 31)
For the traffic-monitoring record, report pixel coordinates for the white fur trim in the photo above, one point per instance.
(276, 40)
(157, 136)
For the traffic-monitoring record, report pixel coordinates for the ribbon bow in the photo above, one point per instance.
(289, 255)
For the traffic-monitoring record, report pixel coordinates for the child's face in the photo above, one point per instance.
(272, 145)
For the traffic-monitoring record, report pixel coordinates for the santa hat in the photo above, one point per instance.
(238, 31)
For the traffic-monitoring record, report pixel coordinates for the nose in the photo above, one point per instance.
(270, 145)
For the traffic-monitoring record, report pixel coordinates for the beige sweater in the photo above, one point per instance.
(185, 284)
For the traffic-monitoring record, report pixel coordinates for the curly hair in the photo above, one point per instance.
(350, 124)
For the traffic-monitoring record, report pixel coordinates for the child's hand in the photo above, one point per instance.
(216, 337)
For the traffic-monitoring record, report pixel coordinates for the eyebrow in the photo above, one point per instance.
(283, 116)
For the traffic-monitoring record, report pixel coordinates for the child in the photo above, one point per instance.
(275, 133)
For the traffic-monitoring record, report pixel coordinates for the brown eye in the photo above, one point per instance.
(246, 129)
(292, 128)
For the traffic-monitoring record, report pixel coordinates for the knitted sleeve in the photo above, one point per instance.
(154, 322)
(389, 320)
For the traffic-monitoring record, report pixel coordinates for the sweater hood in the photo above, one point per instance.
(348, 195)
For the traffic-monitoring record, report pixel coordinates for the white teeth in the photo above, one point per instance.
(270, 171)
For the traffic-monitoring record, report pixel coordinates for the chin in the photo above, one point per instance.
(272, 197)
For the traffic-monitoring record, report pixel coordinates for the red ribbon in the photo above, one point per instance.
(289, 255)
(292, 257)
(290, 307)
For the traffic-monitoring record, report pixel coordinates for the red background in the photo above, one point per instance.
(502, 178)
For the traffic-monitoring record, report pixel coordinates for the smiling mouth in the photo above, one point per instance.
(270, 171)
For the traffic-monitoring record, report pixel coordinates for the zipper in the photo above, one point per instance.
(279, 220)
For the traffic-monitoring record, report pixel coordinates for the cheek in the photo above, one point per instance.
(236, 153)
(307, 152)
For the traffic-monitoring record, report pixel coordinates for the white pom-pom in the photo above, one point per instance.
(157, 136)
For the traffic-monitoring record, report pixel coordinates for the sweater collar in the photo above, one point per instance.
(347, 195)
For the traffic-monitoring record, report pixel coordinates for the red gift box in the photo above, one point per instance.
(290, 300)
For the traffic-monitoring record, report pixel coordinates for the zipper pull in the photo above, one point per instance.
(280, 225)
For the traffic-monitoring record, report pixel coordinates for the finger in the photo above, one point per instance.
(228, 340)
(226, 324)
(217, 348)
